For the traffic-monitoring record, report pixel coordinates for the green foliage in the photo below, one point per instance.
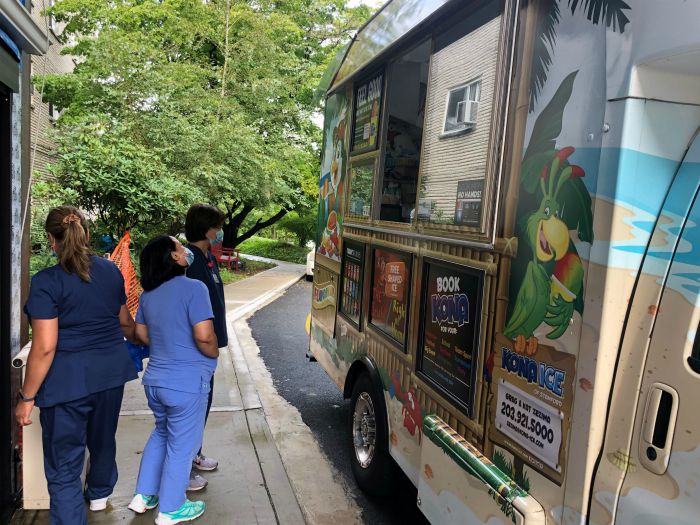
(251, 268)
(117, 179)
(46, 194)
(40, 260)
(273, 249)
(180, 101)
(300, 224)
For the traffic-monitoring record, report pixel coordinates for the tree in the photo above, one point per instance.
(177, 101)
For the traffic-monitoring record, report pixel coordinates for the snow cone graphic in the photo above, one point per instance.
(567, 278)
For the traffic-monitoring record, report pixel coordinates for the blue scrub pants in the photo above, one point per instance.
(167, 457)
(67, 428)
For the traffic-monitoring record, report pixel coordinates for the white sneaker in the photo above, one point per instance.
(197, 482)
(202, 462)
(140, 503)
(96, 505)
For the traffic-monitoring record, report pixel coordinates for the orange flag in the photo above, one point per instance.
(122, 258)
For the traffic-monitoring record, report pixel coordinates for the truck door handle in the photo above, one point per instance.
(658, 428)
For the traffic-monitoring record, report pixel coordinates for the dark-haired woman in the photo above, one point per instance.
(203, 230)
(175, 319)
(77, 366)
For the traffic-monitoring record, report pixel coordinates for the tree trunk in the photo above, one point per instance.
(232, 235)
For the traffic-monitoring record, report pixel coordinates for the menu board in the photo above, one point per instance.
(391, 274)
(351, 298)
(468, 205)
(368, 103)
(450, 321)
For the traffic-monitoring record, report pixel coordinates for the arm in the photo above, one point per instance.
(141, 333)
(205, 338)
(45, 338)
(128, 325)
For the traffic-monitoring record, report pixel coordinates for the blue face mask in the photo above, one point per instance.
(189, 256)
(218, 239)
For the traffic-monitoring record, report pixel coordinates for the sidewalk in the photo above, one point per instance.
(251, 485)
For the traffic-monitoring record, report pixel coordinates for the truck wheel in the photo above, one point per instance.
(373, 467)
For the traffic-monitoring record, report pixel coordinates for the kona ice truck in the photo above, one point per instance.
(507, 273)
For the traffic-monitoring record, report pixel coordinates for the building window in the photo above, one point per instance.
(462, 108)
(53, 113)
(52, 19)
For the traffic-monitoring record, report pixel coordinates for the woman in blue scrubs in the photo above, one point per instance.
(175, 318)
(77, 367)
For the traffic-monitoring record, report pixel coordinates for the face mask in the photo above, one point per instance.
(218, 239)
(189, 256)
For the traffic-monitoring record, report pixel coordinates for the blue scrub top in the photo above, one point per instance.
(205, 269)
(90, 352)
(169, 312)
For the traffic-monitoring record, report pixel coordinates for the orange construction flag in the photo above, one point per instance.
(122, 258)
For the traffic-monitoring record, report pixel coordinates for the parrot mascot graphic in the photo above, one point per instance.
(548, 275)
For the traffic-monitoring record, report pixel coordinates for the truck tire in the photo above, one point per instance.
(374, 469)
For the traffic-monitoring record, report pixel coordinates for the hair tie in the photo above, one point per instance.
(68, 219)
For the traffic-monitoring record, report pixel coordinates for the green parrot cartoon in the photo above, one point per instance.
(547, 274)
(554, 275)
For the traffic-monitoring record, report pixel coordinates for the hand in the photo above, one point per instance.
(22, 412)
(559, 315)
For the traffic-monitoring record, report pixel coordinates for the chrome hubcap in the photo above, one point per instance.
(364, 429)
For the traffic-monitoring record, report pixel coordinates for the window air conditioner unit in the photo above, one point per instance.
(466, 112)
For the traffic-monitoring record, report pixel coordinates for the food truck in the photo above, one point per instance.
(508, 260)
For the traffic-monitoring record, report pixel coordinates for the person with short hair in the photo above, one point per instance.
(203, 229)
(77, 367)
(175, 318)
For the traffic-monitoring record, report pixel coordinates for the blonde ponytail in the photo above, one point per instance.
(67, 225)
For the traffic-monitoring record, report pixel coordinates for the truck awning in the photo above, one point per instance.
(394, 20)
(16, 21)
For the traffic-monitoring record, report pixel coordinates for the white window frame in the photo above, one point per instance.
(467, 126)
(52, 20)
(52, 112)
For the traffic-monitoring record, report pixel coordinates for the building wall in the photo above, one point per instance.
(51, 63)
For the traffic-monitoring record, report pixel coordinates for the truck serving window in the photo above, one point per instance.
(455, 174)
(406, 92)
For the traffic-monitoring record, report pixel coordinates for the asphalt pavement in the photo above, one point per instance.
(305, 385)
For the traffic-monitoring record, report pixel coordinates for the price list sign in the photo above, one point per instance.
(450, 325)
(531, 410)
(353, 262)
(368, 105)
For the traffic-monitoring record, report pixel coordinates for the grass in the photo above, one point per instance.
(251, 268)
(272, 249)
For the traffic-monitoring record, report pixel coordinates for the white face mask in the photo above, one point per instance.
(189, 256)
(218, 239)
